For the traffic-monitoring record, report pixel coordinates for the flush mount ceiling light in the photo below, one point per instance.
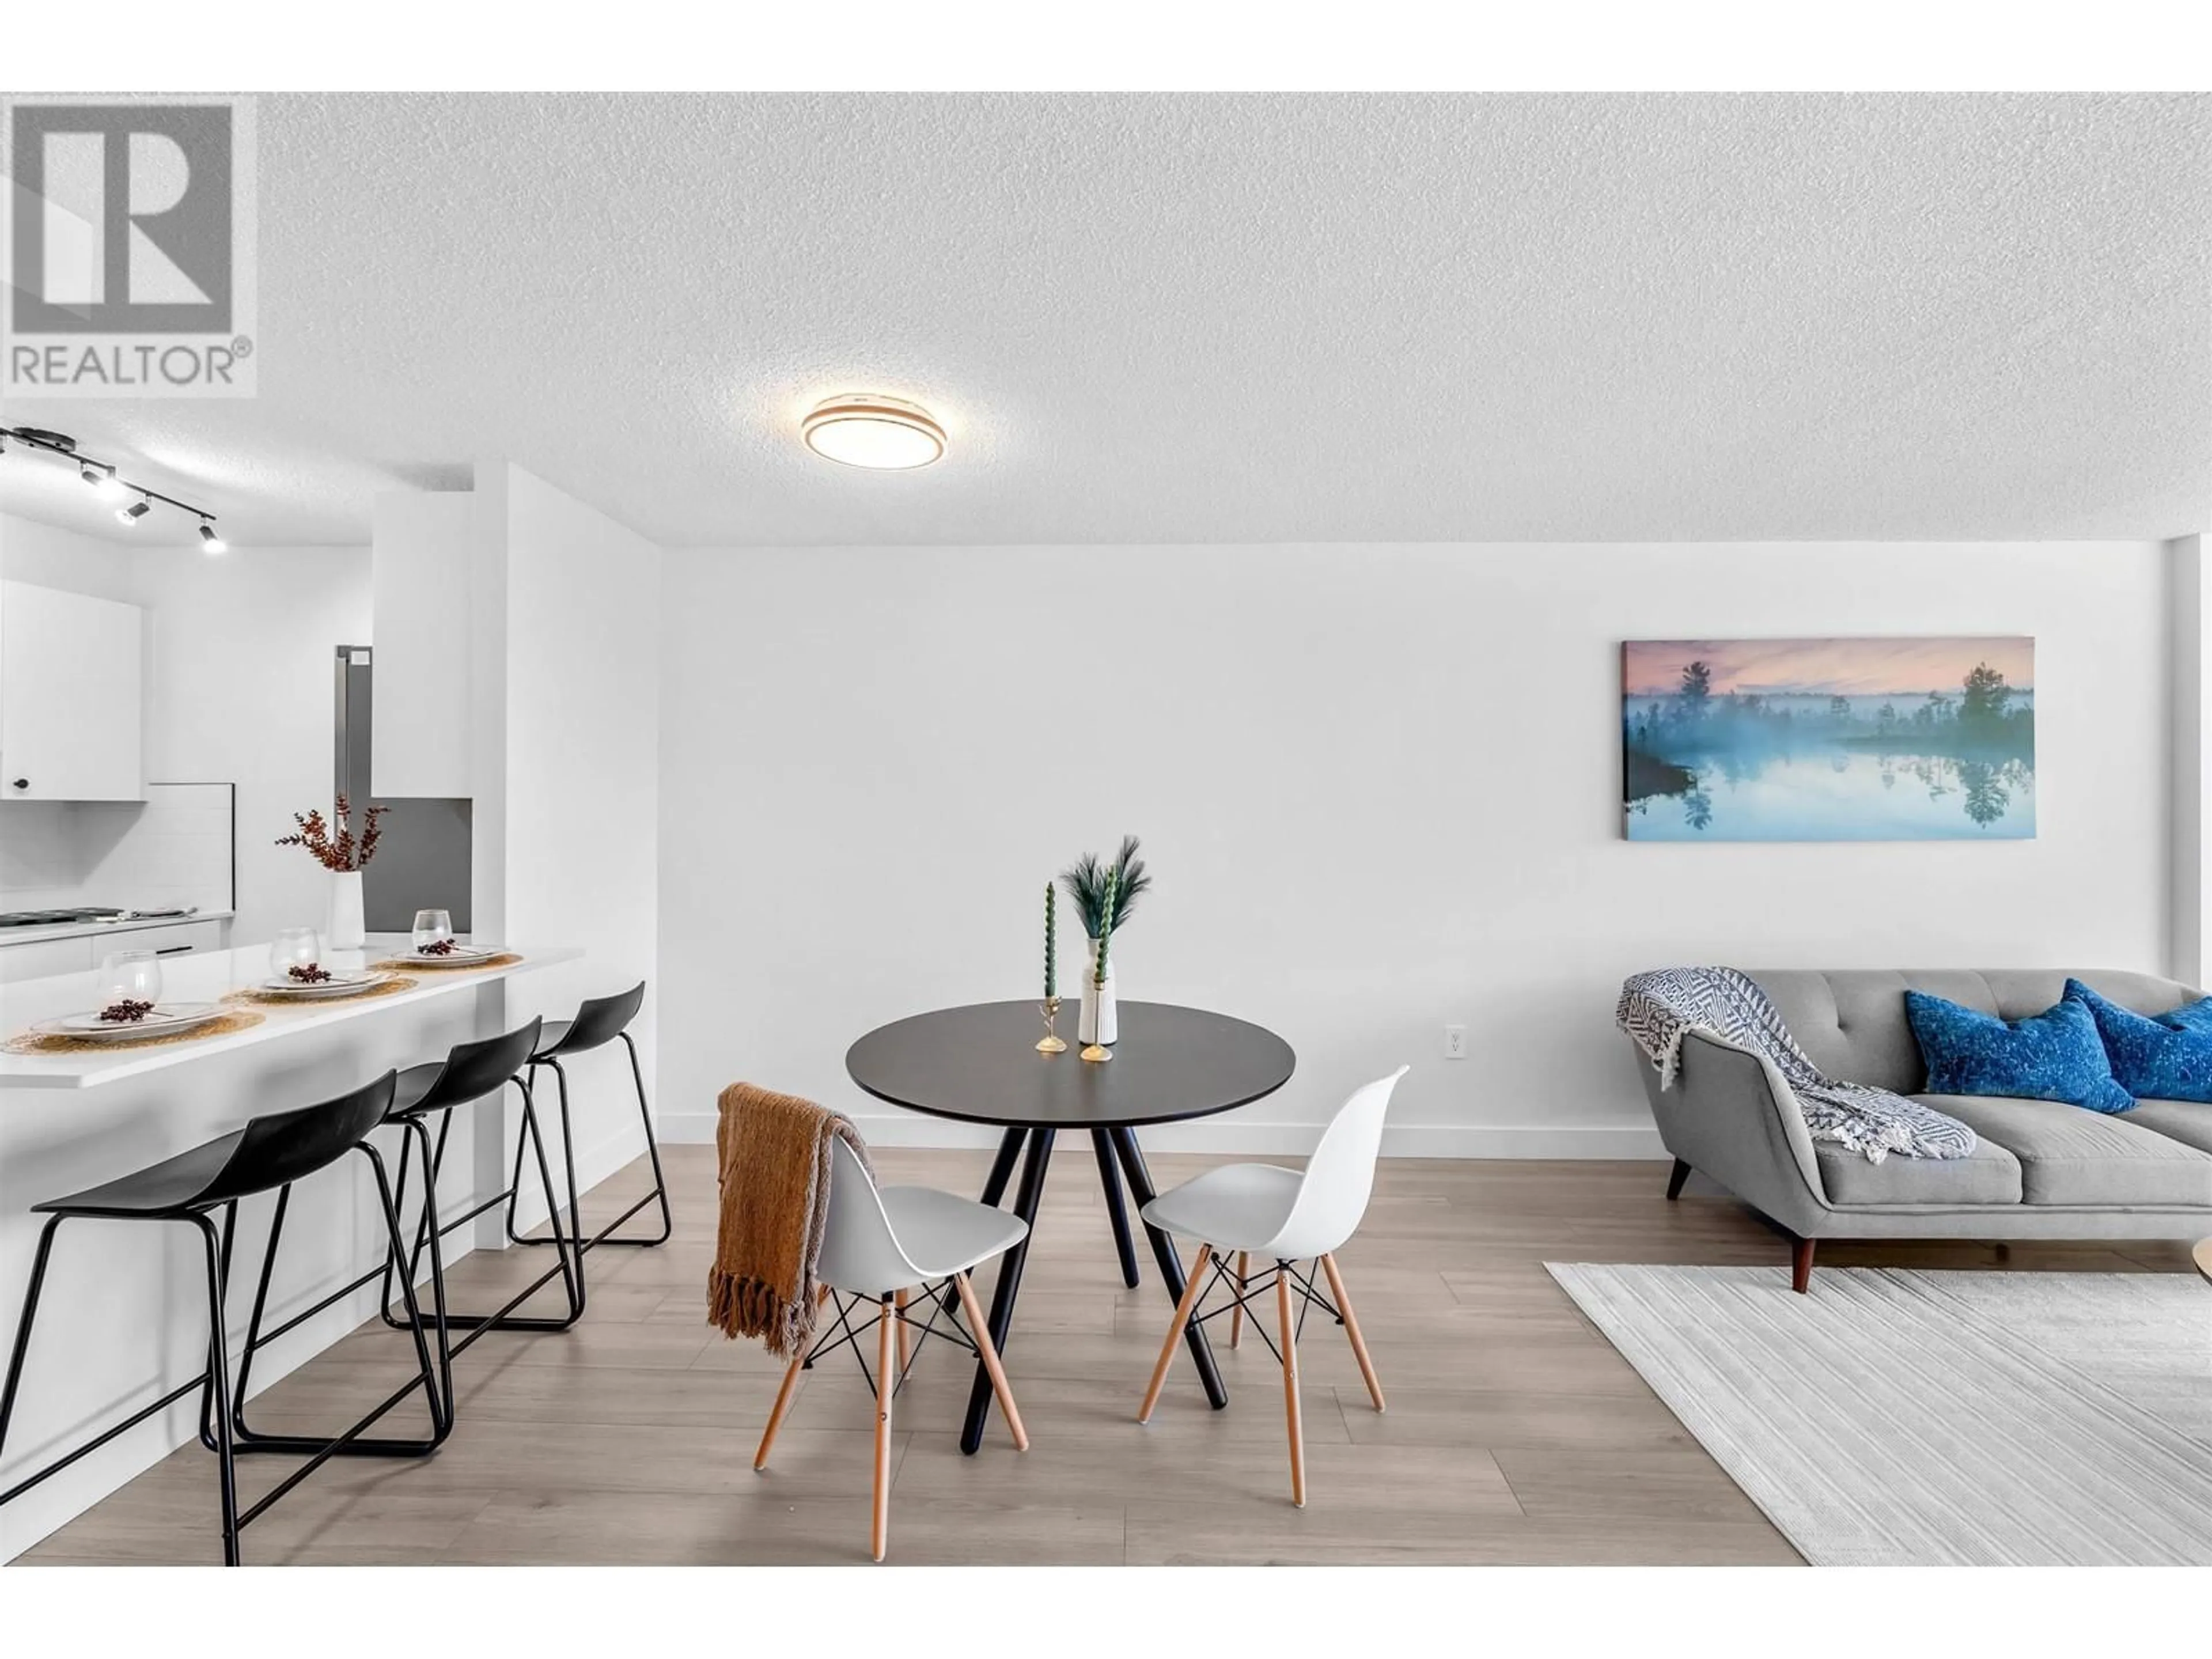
(862, 428)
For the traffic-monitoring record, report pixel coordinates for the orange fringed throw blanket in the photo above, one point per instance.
(774, 1153)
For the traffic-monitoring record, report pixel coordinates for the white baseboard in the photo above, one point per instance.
(1268, 1140)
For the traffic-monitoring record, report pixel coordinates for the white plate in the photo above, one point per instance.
(461, 956)
(337, 985)
(166, 1017)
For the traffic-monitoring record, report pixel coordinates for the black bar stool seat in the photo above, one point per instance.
(172, 1190)
(270, 1154)
(599, 1021)
(414, 1086)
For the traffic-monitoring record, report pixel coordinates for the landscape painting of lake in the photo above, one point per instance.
(1865, 739)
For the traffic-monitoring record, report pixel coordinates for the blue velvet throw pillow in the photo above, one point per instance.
(2166, 1058)
(2053, 1055)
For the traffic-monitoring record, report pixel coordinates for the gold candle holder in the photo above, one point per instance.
(1050, 1043)
(1094, 1053)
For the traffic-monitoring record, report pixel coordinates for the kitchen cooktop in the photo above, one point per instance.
(55, 917)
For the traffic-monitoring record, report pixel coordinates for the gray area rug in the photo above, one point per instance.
(1896, 1417)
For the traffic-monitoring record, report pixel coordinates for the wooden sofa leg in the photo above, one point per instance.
(1675, 1181)
(1800, 1266)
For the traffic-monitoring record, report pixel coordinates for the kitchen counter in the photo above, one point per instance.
(95, 929)
(123, 1317)
(204, 976)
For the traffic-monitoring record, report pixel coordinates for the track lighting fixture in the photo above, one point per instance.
(107, 483)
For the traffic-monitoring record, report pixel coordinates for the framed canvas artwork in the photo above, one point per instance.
(1836, 740)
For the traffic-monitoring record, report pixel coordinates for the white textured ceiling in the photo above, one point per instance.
(1171, 318)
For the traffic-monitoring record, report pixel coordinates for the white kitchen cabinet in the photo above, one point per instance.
(44, 959)
(166, 941)
(70, 717)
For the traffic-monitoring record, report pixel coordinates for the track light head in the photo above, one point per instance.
(103, 481)
(137, 510)
(210, 541)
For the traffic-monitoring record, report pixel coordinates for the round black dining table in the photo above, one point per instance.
(978, 1064)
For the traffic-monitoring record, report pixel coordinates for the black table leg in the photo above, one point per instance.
(1010, 1279)
(1116, 1211)
(1163, 1252)
(1002, 1167)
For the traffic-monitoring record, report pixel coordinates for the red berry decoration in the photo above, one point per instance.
(128, 1011)
(308, 974)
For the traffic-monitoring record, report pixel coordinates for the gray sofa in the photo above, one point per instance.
(2044, 1170)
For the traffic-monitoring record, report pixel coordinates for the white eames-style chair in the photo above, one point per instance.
(878, 1246)
(1284, 1217)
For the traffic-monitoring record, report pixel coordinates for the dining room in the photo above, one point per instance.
(1006, 830)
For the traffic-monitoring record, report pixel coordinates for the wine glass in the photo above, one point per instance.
(131, 976)
(432, 928)
(295, 947)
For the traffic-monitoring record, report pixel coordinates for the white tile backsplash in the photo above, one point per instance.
(172, 849)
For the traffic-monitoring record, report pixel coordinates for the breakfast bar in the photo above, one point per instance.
(123, 1315)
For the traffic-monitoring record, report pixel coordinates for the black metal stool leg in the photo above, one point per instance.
(1163, 1252)
(568, 1159)
(219, 1380)
(208, 1406)
(1009, 1286)
(659, 1193)
(1124, 1246)
(245, 1438)
(569, 1268)
(651, 1152)
(22, 1347)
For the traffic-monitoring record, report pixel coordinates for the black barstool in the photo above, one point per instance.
(471, 1071)
(269, 1153)
(598, 1022)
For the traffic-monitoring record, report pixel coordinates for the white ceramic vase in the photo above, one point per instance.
(345, 931)
(1097, 1023)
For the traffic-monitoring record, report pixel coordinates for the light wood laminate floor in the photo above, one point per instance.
(1515, 1432)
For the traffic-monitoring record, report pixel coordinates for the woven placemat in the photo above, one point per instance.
(32, 1042)
(390, 987)
(410, 965)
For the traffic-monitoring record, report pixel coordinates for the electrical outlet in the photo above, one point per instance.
(1455, 1042)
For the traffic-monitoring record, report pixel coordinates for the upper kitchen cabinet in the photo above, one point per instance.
(71, 718)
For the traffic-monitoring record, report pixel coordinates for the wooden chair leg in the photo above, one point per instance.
(1288, 1319)
(775, 1415)
(1681, 1173)
(1192, 1286)
(886, 1380)
(1236, 1313)
(1351, 1330)
(905, 1333)
(1800, 1266)
(989, 1350)
(787, 1392)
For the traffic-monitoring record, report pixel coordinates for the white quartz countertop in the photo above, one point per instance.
(204, 976)
(94, 929)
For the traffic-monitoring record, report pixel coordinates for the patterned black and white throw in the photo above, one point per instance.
(1657, 1009)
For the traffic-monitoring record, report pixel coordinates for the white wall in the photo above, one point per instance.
(424, 579)
(238, 681)
(240, 689)
(567, 616)
(1379, 785)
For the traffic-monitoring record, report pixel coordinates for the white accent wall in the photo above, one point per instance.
(1378, 786)
(566, 676)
